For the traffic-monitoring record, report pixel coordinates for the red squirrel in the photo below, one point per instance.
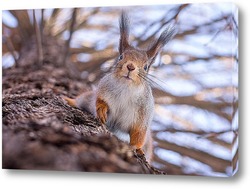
(123, 100)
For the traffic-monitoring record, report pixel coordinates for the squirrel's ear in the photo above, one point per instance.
(165, 37)
(124, 33)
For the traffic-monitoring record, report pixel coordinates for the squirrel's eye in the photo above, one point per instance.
(145, 67)
(120, 57)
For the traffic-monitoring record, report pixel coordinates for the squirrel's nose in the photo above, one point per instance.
(130, 67)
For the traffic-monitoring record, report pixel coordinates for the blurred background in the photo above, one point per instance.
(195, 85)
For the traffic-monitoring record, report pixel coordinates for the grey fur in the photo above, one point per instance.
(130, 101)
(125, 102)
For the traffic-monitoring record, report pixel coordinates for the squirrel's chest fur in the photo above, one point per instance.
(128, 105)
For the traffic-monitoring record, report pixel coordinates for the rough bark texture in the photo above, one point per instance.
(40, 131)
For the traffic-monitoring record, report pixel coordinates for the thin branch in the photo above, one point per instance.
(73, 20)
(83, 22)
(49, 23)
(220, 30)
(10, 47)
(216, 163)
(42, 23)
(163, 22)
(24, 24)
(38, 40)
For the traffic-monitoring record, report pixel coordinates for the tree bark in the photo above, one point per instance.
(40, 131)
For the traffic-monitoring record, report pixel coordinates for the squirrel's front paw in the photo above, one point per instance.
(102, 115)
(139, 151)
(102, 110)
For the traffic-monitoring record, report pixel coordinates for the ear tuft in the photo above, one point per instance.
(164, 38)
(124, 32)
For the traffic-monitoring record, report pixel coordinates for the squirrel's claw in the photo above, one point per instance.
(139, 151)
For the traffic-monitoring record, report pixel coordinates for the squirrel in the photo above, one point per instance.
(123, 100)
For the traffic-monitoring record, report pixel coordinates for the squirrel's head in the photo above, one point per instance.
(133, 64)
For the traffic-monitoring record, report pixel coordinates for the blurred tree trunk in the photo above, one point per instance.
(41, 132)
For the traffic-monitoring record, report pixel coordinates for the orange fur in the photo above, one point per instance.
(137, 137)
(101, 110)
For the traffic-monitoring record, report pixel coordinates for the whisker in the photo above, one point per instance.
(163, 82)
(145, 79)
(150, 81)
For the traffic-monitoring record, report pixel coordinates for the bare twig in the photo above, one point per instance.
(24, 24)
(216, 163)
(38, 40)
(73, 20)
(163, 22)
(49, 23)
(42, 24)
(10, 47)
